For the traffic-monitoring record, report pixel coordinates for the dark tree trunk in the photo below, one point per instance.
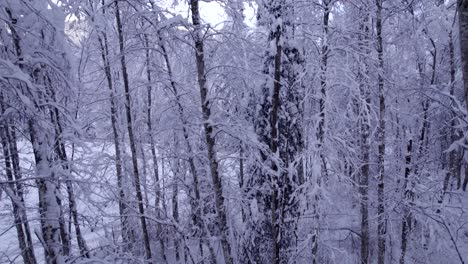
(14, 176)
(49, 209)
(17, 202)
(209, 135)
(197, 212)
(463, 37)
(408, 196)
(62, 154)
(128, 111)
(149, 123)
(381, 224)
(127, 236)
(364, 126)
(175, 207)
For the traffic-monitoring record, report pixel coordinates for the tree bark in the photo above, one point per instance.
(323, 86)
(322, 118)
(126, 231)
(175, 206)
(62, 154)
(364, 117)
(128, 110)
(408, 194)
(197, 211)
(49, 209)
(453, 168)
(104, 48)
(17, 202)
(463, 37)
(13, 173)
(149, 123)
(273, 144)
(208, 130)
(381, 224)
(48, 206)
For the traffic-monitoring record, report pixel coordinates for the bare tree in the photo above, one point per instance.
(128, 111)
(209, 131)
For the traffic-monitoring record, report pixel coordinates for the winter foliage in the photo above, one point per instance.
(324, 131)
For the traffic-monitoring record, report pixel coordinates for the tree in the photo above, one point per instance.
(328, 132)
(128, 112)
(381, 227)
(29, 87)
(209, 132)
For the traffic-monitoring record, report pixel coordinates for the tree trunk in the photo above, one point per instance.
(364, 117)
(62, 154)
(241, 180)
(128, 110)
(323, 87)
(149, 123)
(49, 209)
(104, 47)
(463, 36)
(381, 224)
(197, 211)
(175, 206)
(16, 201)
(408, 195)
(453, 166)
(208, 130)
(322, 119)
(13, 173)
(273, 144)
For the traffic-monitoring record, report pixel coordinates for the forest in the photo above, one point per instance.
(234, 131)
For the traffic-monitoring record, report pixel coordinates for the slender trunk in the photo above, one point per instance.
(322, 118)
(104, 47)
(197, 216)
(13, 173)
(175, 204)
(364, 112)
(149, 123)
(406, 221)
(323, 87)
(465, 181)
(136, 175)
(381, 224)
(273, 144)
(145, 172)
(208, 130)
(463, 37)
(452, 170)
(62, 154)
(49, 210)
(364, 189)
(16, 201)
(241, 181)
(64, 235)
(19, 186)
(423, 136)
